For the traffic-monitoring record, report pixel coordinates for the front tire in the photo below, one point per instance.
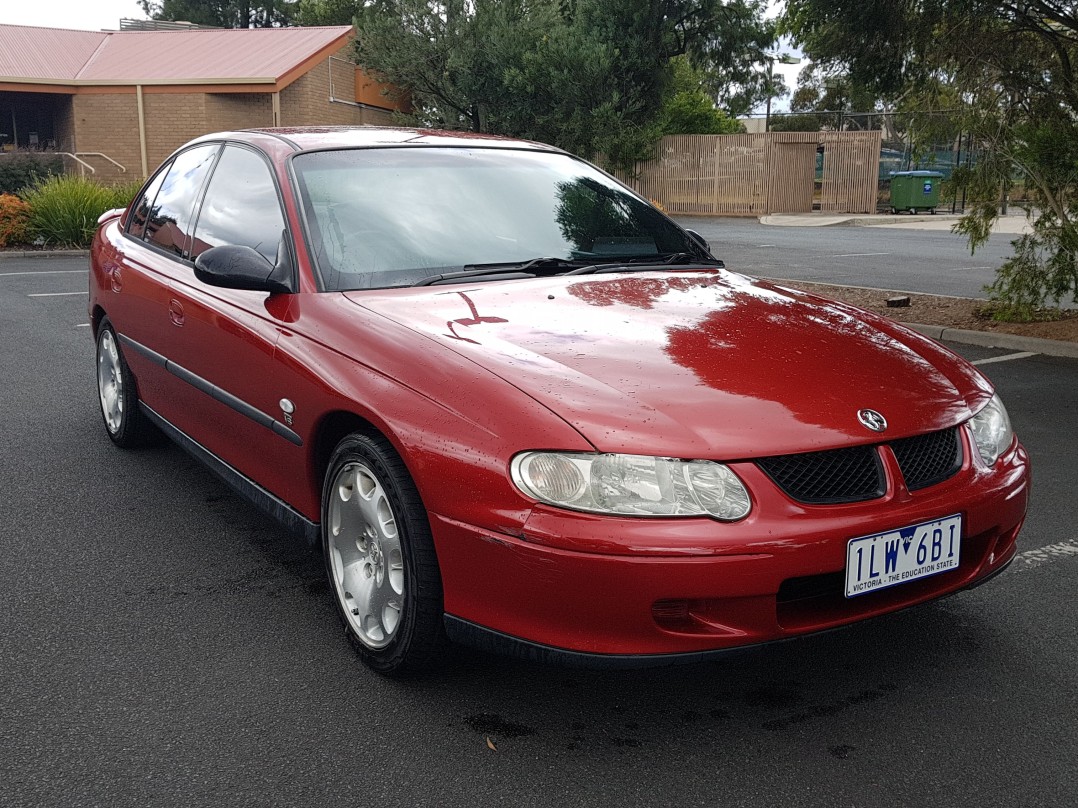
(380, 557)
(117, 392)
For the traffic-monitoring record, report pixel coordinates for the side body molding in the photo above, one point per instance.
(212, 390)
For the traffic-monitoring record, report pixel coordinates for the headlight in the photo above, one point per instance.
(992, 430)
(631, 485)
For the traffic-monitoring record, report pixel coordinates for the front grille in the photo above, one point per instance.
(928, 459)
(830, 477)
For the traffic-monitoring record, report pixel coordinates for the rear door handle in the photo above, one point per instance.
(175, 311)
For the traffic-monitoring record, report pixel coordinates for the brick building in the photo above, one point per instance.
(121, 101)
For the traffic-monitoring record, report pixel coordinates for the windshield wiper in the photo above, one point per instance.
(643, 263)
(515, 270)
(506, 270)
(686, 258)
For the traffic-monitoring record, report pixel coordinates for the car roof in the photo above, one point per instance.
(303, 138)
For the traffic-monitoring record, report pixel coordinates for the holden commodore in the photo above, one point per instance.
(522, 409)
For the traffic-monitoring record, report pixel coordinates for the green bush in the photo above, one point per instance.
(64, 210)
(19, 169)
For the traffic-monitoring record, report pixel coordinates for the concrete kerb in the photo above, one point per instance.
(849, 220)
(1012, 224)
(44, 254)
(994, 339)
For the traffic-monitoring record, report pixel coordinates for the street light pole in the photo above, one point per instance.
(770, 92)
(785, 59)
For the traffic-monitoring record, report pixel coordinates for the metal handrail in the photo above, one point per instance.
(82, 163)
(75, 156)
(103, 156)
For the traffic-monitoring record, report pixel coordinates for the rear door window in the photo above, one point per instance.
(169, 222)
(141, 210)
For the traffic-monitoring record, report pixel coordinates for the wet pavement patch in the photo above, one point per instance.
(491, 724)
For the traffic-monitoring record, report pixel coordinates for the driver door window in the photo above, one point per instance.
(241, 206)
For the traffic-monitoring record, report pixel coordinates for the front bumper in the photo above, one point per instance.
(576, 585)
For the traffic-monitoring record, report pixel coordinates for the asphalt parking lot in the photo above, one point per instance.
(933, 261)
(162, 643)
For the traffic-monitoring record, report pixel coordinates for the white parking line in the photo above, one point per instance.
(857, 255)
(82, 325)
(1004, 358)
(46, 272)
(1042, 555)
(57, 294)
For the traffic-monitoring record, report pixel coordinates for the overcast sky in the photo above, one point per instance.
(90, 15)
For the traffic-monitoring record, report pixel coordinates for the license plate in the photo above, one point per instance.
(897, 556)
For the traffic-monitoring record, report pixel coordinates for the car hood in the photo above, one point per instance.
(704, 364)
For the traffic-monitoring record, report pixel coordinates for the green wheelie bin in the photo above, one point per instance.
(915, 190)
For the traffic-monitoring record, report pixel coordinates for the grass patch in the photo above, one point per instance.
(1002, 313)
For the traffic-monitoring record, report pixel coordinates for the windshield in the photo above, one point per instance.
(392, 217)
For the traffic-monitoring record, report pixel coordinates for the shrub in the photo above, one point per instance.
(64, 210)
(19, 169)
(14, 218)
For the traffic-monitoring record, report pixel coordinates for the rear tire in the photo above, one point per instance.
(117, 393)
(380, 559)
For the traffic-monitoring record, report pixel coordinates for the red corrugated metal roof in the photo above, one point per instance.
(200, 56)
(45, 53)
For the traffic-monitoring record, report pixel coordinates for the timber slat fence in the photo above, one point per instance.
(737, 175)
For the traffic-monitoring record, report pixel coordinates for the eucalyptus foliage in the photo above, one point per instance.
(1005, 72)
(326, 12)
(223, 13)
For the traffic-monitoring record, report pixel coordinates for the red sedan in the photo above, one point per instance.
(521, 408)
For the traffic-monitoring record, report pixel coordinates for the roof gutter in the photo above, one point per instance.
(66, 82)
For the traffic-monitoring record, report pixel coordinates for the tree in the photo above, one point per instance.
(688, 108)
(1008, 66)
(326, 12)
(590, 76)
(222, 13)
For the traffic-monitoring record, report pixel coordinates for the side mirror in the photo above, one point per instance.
(234, 267)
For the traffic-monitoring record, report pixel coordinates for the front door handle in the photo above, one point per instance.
(175, 311)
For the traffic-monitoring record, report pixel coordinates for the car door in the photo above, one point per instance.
(138, 278)
(223, 341)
